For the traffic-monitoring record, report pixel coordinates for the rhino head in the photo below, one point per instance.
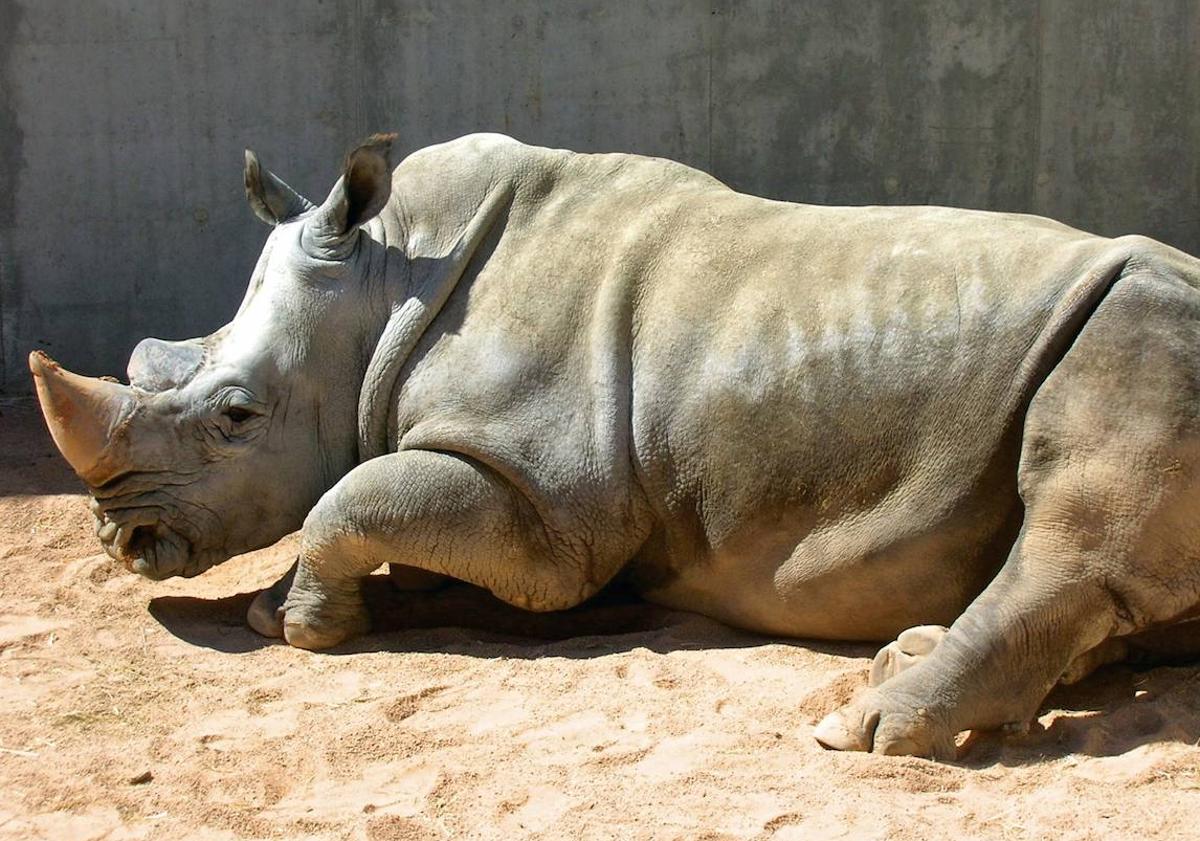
(222, 444)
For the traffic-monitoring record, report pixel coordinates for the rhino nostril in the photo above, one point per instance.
(141, 540)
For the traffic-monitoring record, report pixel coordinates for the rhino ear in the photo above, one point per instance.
(271, 200)
(361, 192)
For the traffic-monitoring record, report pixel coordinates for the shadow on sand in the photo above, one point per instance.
(462, 619)
(1116, 710)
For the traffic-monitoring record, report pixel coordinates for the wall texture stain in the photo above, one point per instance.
(11, 138)
(12, 145)
(122, 124)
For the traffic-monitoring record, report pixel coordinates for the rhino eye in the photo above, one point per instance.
(237, 414)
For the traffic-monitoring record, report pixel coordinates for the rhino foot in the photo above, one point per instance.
(316, 633)
(309, 618)
(880, 722)
(321, 612)
(908, 649)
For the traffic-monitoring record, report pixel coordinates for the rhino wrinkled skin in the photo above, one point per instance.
(532, 370)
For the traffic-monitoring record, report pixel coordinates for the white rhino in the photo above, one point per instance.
(533, 370)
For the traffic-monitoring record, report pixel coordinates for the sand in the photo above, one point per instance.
(140, 710)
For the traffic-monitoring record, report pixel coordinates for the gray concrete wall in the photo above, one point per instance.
(122, 123)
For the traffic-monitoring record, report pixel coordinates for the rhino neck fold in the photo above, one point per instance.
(409, 319)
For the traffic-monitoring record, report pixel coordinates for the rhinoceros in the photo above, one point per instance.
(534, 370)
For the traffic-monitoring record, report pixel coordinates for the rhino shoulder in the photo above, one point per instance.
(471, 154)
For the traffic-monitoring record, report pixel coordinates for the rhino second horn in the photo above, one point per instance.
(81, 412)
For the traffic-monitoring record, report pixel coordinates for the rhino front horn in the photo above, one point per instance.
(81, 412)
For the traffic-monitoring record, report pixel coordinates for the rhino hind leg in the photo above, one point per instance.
(434, 513)
(1108, 547)
(990, 671)
(915, 644)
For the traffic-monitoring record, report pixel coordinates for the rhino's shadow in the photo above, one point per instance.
(463, 619)
(1112, 712)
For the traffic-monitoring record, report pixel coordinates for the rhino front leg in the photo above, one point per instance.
(436, 512)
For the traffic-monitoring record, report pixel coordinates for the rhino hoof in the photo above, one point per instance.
(265, 615)
(266, 611)
(317, 629)
(301, 635)
(833, 733)
(884, 724)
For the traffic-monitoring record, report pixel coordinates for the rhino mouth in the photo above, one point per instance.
(146, 544)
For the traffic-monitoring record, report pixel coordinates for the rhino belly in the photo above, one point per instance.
(865, 578)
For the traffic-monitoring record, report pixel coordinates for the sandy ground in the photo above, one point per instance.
(141, 710)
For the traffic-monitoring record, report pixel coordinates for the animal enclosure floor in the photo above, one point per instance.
(141, 710)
